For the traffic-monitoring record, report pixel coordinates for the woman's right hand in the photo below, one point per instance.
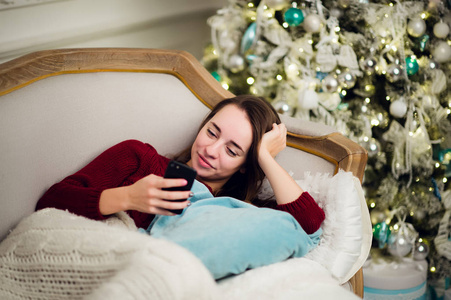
(146, 195)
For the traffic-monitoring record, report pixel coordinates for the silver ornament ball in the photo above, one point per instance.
(416, 27)
(347, 80)
(283, 107)
(368, 64)
(329, 84)
(236, 63)
(393, 73)
(421, 251)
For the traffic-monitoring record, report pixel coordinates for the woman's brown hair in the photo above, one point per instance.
(262, 115)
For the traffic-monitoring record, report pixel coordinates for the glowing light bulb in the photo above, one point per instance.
(250, 80)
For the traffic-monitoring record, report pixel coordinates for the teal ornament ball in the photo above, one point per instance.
(248, 38)
(412, 65)
(293, 16)
(423, 42)
(381, 232)
(216, 75)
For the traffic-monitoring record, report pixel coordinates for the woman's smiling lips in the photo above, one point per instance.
(204, 163)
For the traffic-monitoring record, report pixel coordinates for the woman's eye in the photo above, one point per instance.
(211, 133)
(231, 152)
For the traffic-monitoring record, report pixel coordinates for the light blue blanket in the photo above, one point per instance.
(231, 236)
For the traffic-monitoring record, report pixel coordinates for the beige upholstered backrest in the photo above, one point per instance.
(55, 126)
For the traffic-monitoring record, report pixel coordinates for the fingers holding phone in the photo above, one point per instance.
(178, 170)
(157, 195)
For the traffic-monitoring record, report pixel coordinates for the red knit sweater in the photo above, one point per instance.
(126, 163)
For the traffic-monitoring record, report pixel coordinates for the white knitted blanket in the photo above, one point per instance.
(53, 254)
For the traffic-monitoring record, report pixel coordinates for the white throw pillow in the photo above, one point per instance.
(346, 238)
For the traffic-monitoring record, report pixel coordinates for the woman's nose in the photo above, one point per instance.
(212, 150)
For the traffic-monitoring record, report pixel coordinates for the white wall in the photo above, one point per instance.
(169, 24)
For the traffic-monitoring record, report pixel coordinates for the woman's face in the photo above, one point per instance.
(221, 147)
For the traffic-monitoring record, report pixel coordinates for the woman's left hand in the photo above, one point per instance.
(273, 141)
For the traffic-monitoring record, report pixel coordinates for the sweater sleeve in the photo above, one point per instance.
(306, 211)
(80, 193)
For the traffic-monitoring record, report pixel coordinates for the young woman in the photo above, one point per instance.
(232, 153)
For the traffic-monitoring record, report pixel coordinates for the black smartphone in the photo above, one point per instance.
(179, 170)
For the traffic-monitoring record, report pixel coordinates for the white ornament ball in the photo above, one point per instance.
(398, 244)
(277, 4)
(236, 63)
(312, 23)
(398, 109)
(442, 52)
(416, 27)
(441, 30)
(308, 99)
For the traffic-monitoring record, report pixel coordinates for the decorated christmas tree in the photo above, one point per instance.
(377, 71)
